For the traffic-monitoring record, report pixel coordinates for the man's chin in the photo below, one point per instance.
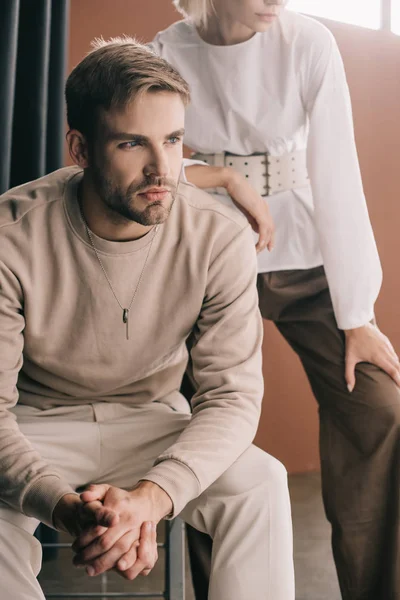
(155, 214)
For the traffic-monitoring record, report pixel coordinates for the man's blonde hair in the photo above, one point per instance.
(197, 10)
(111, 76)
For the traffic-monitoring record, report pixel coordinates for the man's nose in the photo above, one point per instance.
(158, 165)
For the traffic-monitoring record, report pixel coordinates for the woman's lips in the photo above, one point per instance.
(267, 17)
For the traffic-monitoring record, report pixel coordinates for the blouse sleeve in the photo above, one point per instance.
(341, 216)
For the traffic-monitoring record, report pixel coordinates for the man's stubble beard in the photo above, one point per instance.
(120, 205)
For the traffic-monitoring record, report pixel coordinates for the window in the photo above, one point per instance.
(366, 13)
(396, 16)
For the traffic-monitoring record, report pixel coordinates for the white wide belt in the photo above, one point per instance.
(267, 174)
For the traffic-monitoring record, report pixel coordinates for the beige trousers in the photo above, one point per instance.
(246, 511)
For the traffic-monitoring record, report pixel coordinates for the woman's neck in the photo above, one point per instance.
(223, 31)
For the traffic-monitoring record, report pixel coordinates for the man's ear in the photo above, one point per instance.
(78, 148)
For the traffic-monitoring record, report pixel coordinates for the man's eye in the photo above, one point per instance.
(174, 140)
(128, 145)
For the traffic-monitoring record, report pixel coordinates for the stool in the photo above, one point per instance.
(174, 569)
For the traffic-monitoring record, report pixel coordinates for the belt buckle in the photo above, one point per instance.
(261, 176)
(267, 186)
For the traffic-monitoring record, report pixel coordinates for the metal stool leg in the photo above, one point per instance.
(175, 560)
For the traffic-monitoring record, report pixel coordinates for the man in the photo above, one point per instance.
(106, 269)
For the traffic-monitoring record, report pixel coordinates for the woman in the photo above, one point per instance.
(269, 92)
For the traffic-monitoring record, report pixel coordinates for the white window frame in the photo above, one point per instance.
(386, 14)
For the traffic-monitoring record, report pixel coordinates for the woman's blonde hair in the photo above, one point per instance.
(197, 10)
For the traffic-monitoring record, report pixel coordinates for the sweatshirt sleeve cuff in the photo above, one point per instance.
(177, 480)
(42, 497)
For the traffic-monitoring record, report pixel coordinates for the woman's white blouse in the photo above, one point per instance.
(280, 91)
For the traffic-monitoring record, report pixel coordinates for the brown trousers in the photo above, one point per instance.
(359, 441)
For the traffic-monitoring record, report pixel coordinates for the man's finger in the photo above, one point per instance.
(89, 545)
(87, 536)
(98, 514)
(146, 552)
(154, 535)
(129, 558)
(95, 492)
(109, 558)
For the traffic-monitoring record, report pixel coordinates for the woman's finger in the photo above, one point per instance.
(391, 349)
(271, 242)
(261, 244)
(266, 235)
(350, 374)
(390, 367)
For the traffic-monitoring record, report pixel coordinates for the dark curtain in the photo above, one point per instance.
(33, 50)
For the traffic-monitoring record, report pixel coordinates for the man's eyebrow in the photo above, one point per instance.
(125, 136)
(136, 137)
(178, 133)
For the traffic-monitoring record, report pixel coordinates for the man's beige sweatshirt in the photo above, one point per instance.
(63, 342)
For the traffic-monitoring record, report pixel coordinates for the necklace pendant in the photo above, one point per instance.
(125, 319)
(125, 311)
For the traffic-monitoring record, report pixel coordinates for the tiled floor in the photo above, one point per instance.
(315, 574)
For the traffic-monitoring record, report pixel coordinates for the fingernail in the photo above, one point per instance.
(122, 565)
(149, 526)
(349, 387)
(90, 571)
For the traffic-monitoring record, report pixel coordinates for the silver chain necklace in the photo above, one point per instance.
(125, 311)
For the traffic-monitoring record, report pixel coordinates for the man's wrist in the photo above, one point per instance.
(62, 510)
(161, 501)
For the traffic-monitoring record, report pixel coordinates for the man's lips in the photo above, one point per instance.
(155, 194)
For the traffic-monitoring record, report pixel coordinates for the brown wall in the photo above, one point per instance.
(288, 427)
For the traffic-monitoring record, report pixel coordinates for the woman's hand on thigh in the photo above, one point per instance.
(368, 344)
